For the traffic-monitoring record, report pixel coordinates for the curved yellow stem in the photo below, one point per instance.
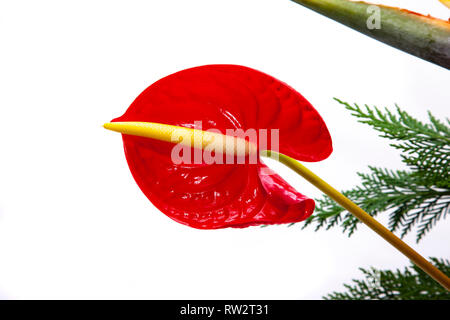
(359, 213)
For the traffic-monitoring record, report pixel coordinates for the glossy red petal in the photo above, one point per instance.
(223, 195)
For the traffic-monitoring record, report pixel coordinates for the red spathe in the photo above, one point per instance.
(210, 196)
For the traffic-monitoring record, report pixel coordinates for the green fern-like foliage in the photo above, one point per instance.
(414, 198)
(410, 284)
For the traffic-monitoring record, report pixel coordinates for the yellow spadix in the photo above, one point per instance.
(187, 136)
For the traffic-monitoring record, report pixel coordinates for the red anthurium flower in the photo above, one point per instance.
(210, 196)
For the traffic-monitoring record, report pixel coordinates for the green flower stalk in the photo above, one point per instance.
(423, 36)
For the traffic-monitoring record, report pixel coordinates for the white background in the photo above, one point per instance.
(74, 224)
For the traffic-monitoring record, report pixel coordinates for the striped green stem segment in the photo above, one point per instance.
(423, 36)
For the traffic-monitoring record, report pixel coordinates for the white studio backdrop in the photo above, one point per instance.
(74, 224)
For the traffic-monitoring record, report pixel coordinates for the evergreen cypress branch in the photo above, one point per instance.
(417, 197)
(410, 284)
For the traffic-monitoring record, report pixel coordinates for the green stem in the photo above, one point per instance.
(423, 36)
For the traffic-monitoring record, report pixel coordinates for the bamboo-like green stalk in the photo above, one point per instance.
(423, 36)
